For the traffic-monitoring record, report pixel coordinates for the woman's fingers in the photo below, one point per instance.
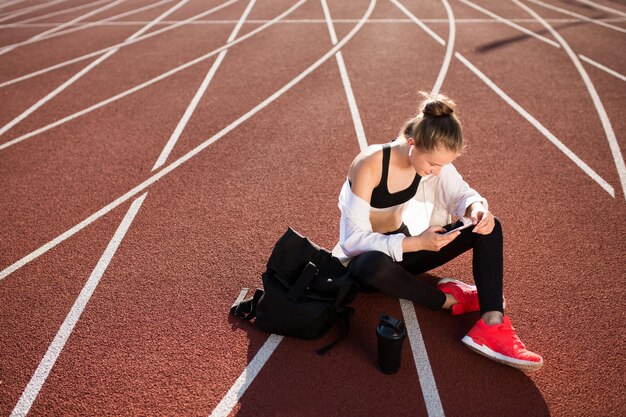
(486, 224)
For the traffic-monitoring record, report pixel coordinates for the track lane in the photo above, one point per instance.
(95, 53)
(177, 217)
(90, 163)
(531, 74)
(36, 299)
(127, 68)
(539, 273)
(543, 320)
(78, 169)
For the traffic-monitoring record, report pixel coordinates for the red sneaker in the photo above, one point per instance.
(500, 343)
(465, 294)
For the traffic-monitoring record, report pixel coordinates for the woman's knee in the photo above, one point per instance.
(497, 228)
(369, 267)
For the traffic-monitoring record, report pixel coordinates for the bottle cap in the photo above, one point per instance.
(391, 328)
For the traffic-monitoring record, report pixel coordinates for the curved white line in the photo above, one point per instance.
(10, 3)
(60, 12)
(85, 70)
(140, 86)
(449, 49)
(39, 377)
(182, 123)
(245, 379)
(61, 26)
(579, 16)
(604, 118)
(602, 67)
(195, 151)
(553, 139)
(119, 45)
(13, 14)
(345, 80)
(541, 128)
(541, 38)
(419, 23)
(602, 7)
(76, 28)
(510, 23)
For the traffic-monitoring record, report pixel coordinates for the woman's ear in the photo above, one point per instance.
(411, 143)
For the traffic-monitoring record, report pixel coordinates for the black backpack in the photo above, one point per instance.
(305, 291)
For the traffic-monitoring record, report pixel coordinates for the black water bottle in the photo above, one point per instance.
(391, 333)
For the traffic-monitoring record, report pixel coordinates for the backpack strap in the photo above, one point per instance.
(246, 309)
(344, 313)
(309, 272)
(344, 283)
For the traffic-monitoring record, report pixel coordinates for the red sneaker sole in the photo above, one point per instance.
(526, 366)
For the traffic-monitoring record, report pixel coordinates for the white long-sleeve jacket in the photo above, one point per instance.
(437, 199)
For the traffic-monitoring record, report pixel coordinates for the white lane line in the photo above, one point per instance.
(541, 38)
(553, 139)
(248, 375)
(157, 176)
(149, 82)
(579, 16)
(427, 381)
(41, 373)
(449, 49)
(432, 400)
(84, 71)
(510, 23)
(203, 86)
(602, 67)
(83, 26)
(345, 79)
(119, 45)
(10, 3)
(434, 408)
(60, 12)
(54, 350)
(618, 158)
(306, 21)
(12, 14)
(602, 7)
(62, 26)
(449, 45)
(419, 23)
(195, 151)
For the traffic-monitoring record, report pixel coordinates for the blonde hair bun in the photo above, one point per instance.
(437, 106)
(435, 125)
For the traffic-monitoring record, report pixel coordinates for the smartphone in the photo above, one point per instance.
(464, 226)
(466, 223)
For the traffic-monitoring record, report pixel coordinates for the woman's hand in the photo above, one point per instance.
(430, 239)
(482, 218)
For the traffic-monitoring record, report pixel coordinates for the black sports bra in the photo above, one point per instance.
(381, 197)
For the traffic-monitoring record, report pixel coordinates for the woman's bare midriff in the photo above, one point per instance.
(387, 221)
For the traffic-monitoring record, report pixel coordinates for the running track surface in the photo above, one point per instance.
(121, 309)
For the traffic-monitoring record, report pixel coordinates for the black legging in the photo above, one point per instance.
(377, 270)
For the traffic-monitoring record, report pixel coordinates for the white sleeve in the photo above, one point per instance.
(456, 193)
(355, 232)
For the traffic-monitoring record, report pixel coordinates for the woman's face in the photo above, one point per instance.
(431, 162)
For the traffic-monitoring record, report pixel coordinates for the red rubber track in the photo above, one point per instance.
(155, 338)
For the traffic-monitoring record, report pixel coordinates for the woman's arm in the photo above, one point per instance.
(457, 195)
(356, 235)
(462, 200)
